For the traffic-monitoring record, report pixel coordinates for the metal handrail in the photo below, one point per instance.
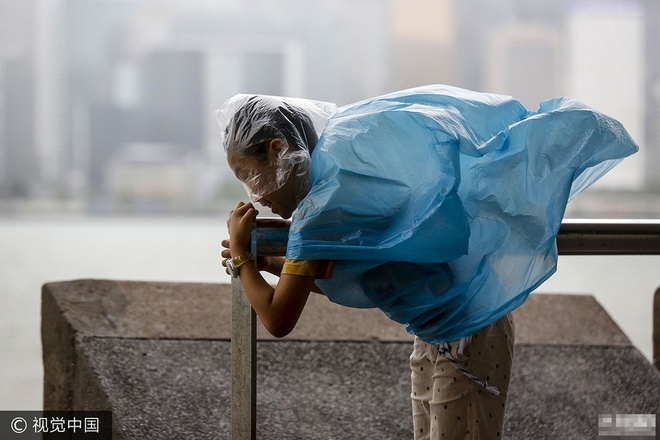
(575, 237)
(609, 237)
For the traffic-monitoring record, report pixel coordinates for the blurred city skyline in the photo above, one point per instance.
(107, 105)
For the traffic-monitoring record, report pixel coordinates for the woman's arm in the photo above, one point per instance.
(278, 308)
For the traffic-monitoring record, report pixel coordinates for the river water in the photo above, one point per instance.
(37, 250)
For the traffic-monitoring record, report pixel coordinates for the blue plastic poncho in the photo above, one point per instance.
(441, 206)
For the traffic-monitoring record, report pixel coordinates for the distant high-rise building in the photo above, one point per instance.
(652, 107)
(526, 61)
(423, 42)
(606, 71)
(513, 47)
(29, 100)
(19, 170)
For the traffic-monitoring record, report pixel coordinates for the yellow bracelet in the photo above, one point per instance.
(234, 263)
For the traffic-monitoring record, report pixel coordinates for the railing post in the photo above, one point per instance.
(264, 242)
(243, 365)
(656, 329)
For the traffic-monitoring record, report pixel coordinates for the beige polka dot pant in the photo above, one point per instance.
(446, 403)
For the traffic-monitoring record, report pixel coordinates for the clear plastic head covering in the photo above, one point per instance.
(249, 122)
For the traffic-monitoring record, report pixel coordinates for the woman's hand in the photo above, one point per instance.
(269, 264)
(239, 225)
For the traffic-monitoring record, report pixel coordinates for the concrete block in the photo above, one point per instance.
(157, 355)
(656, 329)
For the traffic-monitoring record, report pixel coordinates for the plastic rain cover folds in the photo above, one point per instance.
(441, 206)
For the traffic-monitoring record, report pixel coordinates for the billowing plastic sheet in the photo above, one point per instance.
(441, 205)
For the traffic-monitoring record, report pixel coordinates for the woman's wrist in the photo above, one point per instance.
(238, 251)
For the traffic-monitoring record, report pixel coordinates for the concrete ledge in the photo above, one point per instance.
(203, 311)
(157, 355)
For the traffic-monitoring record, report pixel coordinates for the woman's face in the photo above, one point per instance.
(284, 200)
(264, 185)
